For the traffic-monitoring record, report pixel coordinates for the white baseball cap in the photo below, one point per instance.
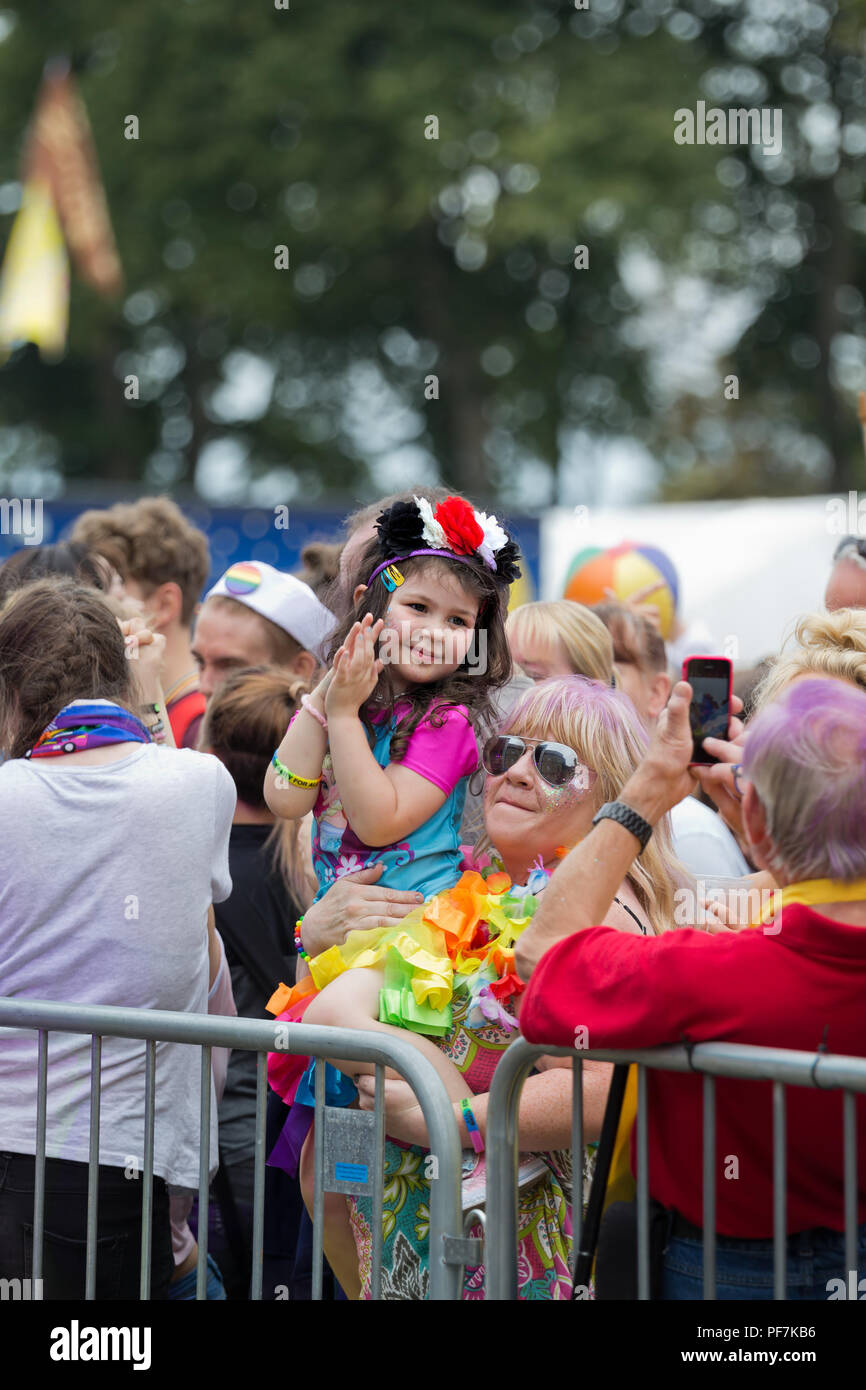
(283, 599)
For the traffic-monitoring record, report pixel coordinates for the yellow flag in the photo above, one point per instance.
(34, 285)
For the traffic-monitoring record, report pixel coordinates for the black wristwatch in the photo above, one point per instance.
(624, 815)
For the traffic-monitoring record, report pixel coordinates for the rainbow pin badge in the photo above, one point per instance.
(242, 578)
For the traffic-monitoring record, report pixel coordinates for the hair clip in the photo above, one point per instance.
(392, 578)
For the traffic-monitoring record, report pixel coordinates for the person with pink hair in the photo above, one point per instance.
(798, 983)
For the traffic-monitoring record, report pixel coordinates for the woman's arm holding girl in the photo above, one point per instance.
(544, 1119)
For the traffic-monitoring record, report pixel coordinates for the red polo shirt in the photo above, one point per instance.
(770, 990)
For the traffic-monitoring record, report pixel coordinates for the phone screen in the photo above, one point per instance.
(709, 711)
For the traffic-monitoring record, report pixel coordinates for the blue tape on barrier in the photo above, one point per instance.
(351, 1172)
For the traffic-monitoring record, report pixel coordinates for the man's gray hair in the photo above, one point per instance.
(851, 548)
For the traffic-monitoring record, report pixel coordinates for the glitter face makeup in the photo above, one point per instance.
(562, 798)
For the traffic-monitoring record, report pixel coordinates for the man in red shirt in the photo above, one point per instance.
(800, 982)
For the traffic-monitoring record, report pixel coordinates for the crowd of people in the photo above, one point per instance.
(367, 794)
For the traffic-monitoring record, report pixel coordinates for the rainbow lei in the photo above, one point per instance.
(460, 940)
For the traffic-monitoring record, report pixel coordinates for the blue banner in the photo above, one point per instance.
(273, 535)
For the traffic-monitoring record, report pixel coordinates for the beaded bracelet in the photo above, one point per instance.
(472, 1125)
(299, 945)
(157, 728)
(292, 777)
(307, 704)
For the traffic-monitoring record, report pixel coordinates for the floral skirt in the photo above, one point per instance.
(544, 1232)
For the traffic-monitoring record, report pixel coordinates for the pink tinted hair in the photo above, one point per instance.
(806, 757)
(603, 728)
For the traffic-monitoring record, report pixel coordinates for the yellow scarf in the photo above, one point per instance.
(814, 890)
(621, 1184)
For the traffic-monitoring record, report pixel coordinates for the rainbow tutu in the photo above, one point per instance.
(461, 939)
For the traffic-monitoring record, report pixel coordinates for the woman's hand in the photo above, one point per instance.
(147, 650)
(354, 903)
(404, 1118)
(717, 914)
(356, 669)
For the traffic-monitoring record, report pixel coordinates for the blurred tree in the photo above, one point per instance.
(432, 320)
(797, 248)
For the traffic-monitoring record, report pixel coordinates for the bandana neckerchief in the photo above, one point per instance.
(88, 724)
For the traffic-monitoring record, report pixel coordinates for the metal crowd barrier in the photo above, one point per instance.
(826, 1071)
(448, 1249)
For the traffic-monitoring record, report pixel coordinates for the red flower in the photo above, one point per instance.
(503, 988)
(458, 522)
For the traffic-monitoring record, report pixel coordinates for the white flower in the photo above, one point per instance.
(432, 532)
(494, 538)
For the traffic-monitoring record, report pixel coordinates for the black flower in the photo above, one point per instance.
(399, 529)
(507, 568)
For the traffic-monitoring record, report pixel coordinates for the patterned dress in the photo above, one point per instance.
(544, 1221)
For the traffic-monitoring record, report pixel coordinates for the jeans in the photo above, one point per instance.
(744, 1268)
(118, 1244)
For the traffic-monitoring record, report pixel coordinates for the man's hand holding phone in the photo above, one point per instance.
(719, 778)
(711, 681)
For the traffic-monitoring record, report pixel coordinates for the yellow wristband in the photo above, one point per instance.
(292, 777)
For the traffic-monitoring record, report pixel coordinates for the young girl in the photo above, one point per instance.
(382, 749)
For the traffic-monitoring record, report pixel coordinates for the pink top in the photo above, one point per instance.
(427, 859)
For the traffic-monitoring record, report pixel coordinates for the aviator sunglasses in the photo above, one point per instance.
(556, 763)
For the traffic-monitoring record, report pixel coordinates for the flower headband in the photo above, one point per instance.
(454, 530)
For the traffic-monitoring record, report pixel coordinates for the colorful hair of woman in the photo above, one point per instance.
(583, 638)
(601, 725)
(827, 644)
(474, 680)
(804, 756)
(244, 721)
(58, 642)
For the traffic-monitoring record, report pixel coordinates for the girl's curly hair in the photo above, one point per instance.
(469, 686)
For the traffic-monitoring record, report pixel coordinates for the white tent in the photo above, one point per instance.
(746, 569)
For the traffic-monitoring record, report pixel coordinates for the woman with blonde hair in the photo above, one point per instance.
(567, 747)
(827, 644)
(560, 638)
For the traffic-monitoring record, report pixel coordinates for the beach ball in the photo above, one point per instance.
(625, 568)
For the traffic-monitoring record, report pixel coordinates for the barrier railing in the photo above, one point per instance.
(826, 1071)
(447, 1245)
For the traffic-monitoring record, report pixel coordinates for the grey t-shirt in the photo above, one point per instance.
(107, 875)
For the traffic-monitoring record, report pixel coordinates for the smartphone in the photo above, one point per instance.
(711, 680)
